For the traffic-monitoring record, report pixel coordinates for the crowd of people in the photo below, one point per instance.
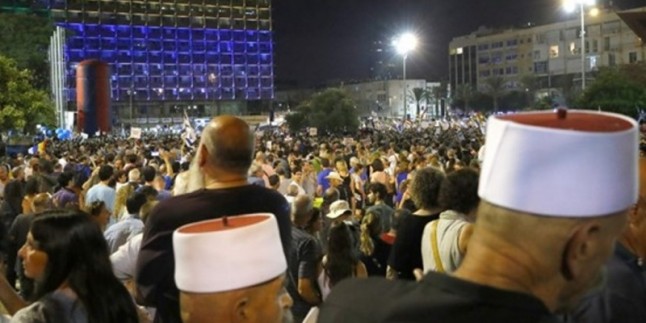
(119, 229)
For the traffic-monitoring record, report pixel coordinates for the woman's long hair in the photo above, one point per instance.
(120, 200)
(340, 261)
(78, 254)
(370, 229)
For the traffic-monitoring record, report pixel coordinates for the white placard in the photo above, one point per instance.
(313, 132)
(135, 133)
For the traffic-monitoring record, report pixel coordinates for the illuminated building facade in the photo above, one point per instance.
(551, 53)
(209, 56)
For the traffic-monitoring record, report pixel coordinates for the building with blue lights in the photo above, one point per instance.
(167, 56)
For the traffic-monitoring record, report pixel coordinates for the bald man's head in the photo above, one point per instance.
(301, 209)
(229, 144)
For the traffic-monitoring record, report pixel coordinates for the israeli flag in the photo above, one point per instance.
(188, 132)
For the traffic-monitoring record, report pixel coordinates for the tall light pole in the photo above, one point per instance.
(404, 44)
(570, 6)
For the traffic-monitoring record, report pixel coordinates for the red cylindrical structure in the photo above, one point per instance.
(93, 97)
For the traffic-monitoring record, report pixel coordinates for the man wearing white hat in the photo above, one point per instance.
(231, 270)
(218, 177)
(555, 190)
(336, 182)
(339, 211)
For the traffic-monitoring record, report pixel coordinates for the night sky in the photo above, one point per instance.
(326, 40)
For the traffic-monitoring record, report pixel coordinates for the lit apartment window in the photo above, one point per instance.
(460, 50)
(573, 48)
(593, 61)
(554, 51)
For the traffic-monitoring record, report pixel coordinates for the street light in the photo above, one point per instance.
(404, 44)
(571, 6)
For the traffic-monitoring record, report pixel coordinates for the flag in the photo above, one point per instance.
(188, 132)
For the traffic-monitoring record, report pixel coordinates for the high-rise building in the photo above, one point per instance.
(550, 53)
(383, 61)
(166, 56)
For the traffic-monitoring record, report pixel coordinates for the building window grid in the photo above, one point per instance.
(253, 48)
(132, 47)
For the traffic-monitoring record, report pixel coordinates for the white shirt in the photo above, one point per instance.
(124, 260)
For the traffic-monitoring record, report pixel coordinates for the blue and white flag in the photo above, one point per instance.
(188, 132)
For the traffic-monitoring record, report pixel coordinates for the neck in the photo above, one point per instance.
(429, 211)
(508, 268)
(225, 181)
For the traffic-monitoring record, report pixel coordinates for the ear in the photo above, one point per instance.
(633, 215)
(241, 312)
(203, 156)
(580, 249)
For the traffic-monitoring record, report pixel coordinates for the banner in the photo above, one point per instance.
(135, 133)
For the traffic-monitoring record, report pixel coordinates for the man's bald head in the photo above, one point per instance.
(229, 143)
(302, 209)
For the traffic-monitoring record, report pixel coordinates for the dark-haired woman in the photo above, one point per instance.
(406, 254)
(340, 262)
(67, 256)
(99, 213)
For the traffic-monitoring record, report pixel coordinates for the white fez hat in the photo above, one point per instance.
(228, 253)
(567, 164)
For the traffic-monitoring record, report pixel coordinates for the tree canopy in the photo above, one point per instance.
(25, 38)
(22, 106)
(495, 87)
(331, 111)
(620, 89)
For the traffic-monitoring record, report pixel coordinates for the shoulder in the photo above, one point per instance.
(353, 300)
(36, 313)
(54, 307)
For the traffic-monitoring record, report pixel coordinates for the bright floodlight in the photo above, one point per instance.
(405, 43)
(572, 5)
(594, 12)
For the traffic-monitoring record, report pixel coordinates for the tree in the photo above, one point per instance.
(22, 106)
(419, 94)
(528, 84)
(438, 93)
(495, 87)
(464, 93)
(331, 110)
(25, 38)
(620, 89)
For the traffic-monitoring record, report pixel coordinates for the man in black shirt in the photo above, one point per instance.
(303, 261)
(546, 224)
(219, 174)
